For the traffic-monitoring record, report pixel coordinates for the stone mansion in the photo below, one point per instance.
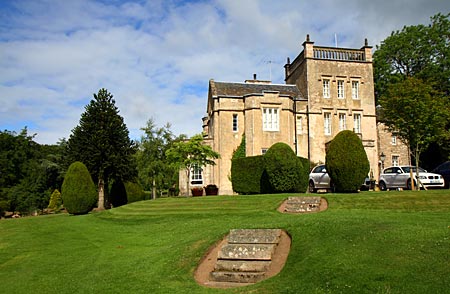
(327, 90)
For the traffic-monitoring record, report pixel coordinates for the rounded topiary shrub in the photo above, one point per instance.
(346, 162)
(134, 192)
(78, 191)
(283, 168)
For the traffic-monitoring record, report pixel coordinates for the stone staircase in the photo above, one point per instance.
(302, 204)
(246, 256)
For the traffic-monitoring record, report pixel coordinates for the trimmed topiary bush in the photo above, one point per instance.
(55, 201)
(284, 168)
(78, 191)
(346, 162)
(246, 174)
(304, 175)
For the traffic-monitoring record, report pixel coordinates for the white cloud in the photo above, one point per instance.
(156, 57)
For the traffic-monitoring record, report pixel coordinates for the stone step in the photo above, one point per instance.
(303, 200)
(250, 236)
(242, 265)
(247, 251)
(302, 204)
(237, 277)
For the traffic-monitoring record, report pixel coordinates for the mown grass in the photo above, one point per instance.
(371, 242)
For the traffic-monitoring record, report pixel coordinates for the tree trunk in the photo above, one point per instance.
(154, 188)
(101, 194)
(187, 181)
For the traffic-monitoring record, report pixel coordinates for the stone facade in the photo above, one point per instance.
(327, 90)
(392, 150)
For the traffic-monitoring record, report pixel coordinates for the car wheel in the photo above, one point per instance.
(312, 189)
(382, 186)
(408, 184)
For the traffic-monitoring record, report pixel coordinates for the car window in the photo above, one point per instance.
(388, 170)
(397, 170)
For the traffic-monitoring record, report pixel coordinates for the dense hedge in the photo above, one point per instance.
(134, 192)
(346, 162)
(78, 191)
(246, 174)
(118, 194)
(283, 168)
(277, 171)
(123, 193)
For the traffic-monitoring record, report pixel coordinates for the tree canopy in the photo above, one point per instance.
(191, 153)
(154, 171)
(421, 52)
(417, 113)
(101, 141)
(416, 51)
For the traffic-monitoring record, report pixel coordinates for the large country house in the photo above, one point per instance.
(327, 90)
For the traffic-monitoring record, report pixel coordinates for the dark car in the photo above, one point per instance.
(444, 171)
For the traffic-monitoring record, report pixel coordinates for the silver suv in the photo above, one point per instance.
(399, 177)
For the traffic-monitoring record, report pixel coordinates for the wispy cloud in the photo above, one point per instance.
(156, 57)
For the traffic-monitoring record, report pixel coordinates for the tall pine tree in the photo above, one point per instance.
(101, 141)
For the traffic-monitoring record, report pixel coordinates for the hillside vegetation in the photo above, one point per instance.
(371, 242)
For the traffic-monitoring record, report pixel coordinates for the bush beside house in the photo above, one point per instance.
(278, 171)
(346, 162)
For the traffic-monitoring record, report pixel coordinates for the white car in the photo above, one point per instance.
(319, 179)
(399, 177)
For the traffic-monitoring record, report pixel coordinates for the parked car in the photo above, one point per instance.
(444, 171)
(399, 177)
(319, 179)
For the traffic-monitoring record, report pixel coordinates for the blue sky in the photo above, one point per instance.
(156, 57)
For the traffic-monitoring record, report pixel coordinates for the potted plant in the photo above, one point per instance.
(197, 191)
(211, 190)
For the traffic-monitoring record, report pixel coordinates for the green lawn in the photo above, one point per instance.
(371, 242)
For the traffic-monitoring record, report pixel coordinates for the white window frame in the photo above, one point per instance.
(341, 89)
(271, 119)
(326, 88)
(395, 160)
(342, 121)
(394, 140)
(196, 175)
(235, 122)
(355, 89)
(327, 123)
(299, 122)
(357, 123)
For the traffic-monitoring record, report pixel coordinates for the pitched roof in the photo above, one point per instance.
(244, 89)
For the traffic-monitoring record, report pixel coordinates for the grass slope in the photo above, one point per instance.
(372, 242)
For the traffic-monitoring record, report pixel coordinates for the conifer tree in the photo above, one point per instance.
(102, 143)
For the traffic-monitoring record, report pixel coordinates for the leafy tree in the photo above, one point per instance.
(153, 169)
(191, 153)
(416, 51)
(78, 189)
(29, 171)
(101, 142)
(422, 52)
(417, 112)
(346, 162)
